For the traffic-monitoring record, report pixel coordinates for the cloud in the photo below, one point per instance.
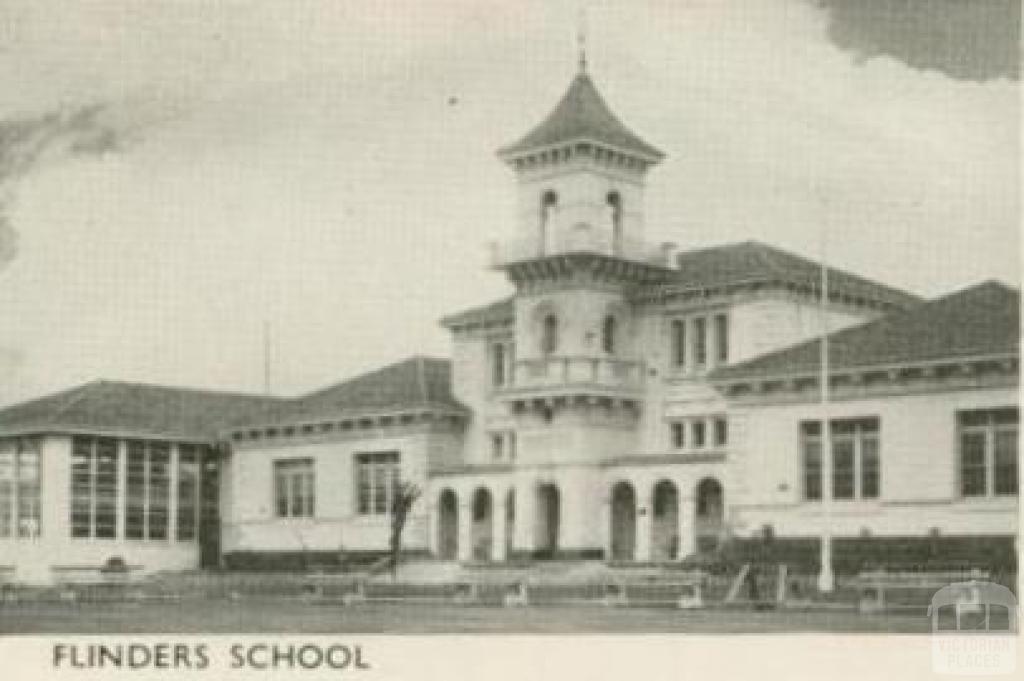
(30, 142)
(964, 39)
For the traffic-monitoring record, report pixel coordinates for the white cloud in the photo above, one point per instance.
(302, 162)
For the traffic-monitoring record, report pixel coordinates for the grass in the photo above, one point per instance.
(252, 616)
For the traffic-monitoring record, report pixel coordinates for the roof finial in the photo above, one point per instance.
(581, 38)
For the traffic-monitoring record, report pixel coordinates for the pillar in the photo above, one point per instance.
(687, 517)
(122, 488)
(644, 521)
(605, 513)
(526, 512)
(465, 530)
(498, 510)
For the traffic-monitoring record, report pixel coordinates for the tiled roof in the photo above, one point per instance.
(412, 383)
(499, 311)
(117, 408)
(752, 261)
(980, 321)
(582, 114)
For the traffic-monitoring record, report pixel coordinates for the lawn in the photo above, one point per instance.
(295, 616)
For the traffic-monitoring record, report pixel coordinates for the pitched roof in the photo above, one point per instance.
(118, 408)
(980, 321)
(498, 311)
(582, 114)
(412, 383)
(752, 261)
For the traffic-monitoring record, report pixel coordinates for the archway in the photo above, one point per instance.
(548, 520)
(710, 514)
(481, 534)
(623, 517)
(665, 521)
(510, 523)
(448, 525)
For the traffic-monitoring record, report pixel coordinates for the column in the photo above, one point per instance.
(606, 523)
(465, 530)
(172, 497)
(122, 488)
(644, 519)
(498, 510)
(687, 517)
(526, 510)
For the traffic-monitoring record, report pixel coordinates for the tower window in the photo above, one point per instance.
(721, 338)
(548, 206)
(498, 365)
(614, 200)
(608, 335)
(549, 335)
(678, 343)
(700, 348)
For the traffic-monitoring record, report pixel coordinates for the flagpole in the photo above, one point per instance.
(826, 578)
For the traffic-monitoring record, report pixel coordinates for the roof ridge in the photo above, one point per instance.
(76, 395)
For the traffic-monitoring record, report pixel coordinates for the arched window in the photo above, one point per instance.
(549, 335)
(608, 335)
(548, 206)
(614, 200)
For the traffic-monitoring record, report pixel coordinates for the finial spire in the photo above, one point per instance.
(581, 38)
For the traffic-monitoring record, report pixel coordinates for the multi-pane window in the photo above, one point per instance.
(988, 452)
(503, 444)
(678, 429)
(700, 341)
(377, 479)
(20, 511)
(295, 488)
(94, 478)
(721, 431)
(721, 338)
(135, 491)
(549, 335)
(855, 459)
(188, 492)
(498, 365)
(159, 484)
(678, 343)
(608, 335)
(698, 432)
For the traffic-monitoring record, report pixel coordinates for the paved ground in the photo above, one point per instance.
(284, 616)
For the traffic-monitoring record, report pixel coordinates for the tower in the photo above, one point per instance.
(580, 176)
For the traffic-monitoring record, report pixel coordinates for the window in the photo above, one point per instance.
(678, 343)
(678, 434)
(188, 492)
(811, 437)
(700, 349)
(721, 431)
(608, 335)
(697, 428)
(94, 487)
(20, 511)
(549, 335)
(497, 365)
(497, 446)
(158, 482)
(511, 440)
(988, 452)
(614, 200)
(855, 459)
(295, 488)
(377, 479)
(135, 492)
(548, 207)
(721, 338)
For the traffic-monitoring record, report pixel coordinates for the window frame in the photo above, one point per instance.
(294, 481)
(845, 432)
(990, 424)
(378, 475)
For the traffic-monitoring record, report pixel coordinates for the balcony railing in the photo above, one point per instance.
(580, 241)
(551, 374)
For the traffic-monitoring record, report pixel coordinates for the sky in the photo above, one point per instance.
(175, 177)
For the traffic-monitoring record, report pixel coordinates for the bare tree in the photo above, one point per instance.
(406, 494)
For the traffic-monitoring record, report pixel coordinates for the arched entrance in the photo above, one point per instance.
(710, 514)
(548, 519)
(665, 521)
(481, 535)
(510, 522)
(623, 518)
(447, 525)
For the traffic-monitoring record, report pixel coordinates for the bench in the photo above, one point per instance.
(875, 587)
